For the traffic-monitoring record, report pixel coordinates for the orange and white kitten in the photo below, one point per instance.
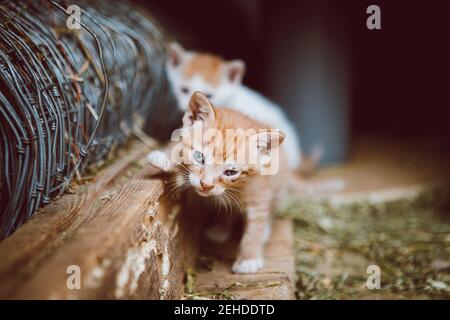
(221, 82)
(212, 170)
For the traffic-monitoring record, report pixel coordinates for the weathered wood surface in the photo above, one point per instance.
(275, 281)
(21, 252)
(127, 240)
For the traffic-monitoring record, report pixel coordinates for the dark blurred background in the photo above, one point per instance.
(334, 77)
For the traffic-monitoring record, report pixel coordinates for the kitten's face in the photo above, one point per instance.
(215, 168)
(211, 179)
(190, 72)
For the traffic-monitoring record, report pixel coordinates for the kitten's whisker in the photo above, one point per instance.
(185, 186)
(178, 188)
(178, 170)
(236, 199)
(184, 168)
(228, 202)
(217, 212)
(231, 209)
(237, 202)
(222, 203)
(234, 189)
(177, 180)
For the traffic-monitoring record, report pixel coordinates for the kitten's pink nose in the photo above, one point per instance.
(205, 186)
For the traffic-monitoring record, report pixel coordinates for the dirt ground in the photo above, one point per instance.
(408, 240)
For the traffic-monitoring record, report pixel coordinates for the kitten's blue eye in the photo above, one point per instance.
(185, 90)
(198, 157)
(208, 95)
(230, 172)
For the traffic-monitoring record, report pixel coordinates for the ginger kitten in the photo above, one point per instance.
(248, 170)
(221, 82)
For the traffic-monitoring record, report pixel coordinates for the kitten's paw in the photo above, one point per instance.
(159, 159)
(217, 234)
(247, 265)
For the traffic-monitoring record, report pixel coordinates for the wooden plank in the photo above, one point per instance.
(137, 246)
(127, 240)
(23, 250)
(275, 281)
(97, 246)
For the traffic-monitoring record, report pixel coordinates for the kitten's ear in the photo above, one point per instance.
(267, 141)
(235, 70)
(200, 109)
(265, 144)
(176, 54)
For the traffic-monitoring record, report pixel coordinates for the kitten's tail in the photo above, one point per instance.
(310, 163)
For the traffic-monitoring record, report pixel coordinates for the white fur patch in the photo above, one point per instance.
(248, 265)
(160, 160)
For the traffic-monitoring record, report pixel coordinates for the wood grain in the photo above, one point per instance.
(275, 281)
(128, 240)
(22, 252)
